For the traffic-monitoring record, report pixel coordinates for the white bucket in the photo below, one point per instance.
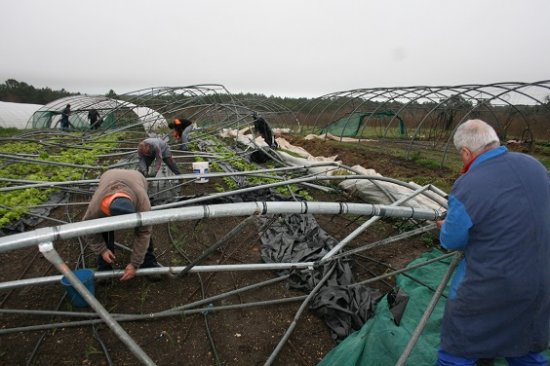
(200, 167)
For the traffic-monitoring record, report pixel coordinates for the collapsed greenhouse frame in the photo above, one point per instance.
(218, 110)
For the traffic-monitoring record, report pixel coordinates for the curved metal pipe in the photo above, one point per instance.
(290, 329)
(283, 183)
(368, 223)
(431, 306)
(73, 230)
(37, 184)
(51, 255)
(136, 317)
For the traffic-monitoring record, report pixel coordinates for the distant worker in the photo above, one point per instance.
(182, 127)
(65, 123)
(121, 192)
(262, 128)
(499, 216)
(95, 121)
(155, 149)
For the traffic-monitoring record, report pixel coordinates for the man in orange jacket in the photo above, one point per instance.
(182, 127)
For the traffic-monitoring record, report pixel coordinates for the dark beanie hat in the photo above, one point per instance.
(122, 206)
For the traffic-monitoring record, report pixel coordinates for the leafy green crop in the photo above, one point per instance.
(229, 156)
(14, 204)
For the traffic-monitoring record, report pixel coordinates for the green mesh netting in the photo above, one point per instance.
(380, 342)
(50, 119)
(350, 125)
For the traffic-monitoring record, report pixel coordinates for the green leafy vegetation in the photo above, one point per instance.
(239, 164)
(430, 240)
(14, 204)
(9, 131)
(419, 159)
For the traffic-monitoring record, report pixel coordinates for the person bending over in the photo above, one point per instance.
(155, 149)
(262, 128)
(182, 127)
(121, 192)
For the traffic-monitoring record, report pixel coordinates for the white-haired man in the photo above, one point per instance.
(499, 215)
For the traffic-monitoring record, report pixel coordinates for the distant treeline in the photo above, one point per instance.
(21, 92)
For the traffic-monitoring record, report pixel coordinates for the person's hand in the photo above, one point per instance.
(108, 256)
(439, 223)
(129, 272)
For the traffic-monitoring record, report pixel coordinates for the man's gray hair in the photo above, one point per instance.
(475, 135)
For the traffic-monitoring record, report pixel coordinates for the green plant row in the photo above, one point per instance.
(14, 204)
(238, 163)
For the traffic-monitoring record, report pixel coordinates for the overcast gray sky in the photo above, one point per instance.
(276, 47)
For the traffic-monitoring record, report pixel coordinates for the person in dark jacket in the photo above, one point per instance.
(182, 127)
(95, 121)
(65, 123)
(152, 149)
(262, 128)
(499, 216)
(121, 192)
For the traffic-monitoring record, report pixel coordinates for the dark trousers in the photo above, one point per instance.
(172, 165)
(65, 124)
(109, 237)
(169, 161)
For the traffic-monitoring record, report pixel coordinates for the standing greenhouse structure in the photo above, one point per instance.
(112, 113)
(16, 114)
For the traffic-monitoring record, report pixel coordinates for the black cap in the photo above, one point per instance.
(122, 206)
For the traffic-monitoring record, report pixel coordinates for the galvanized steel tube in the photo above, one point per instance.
(73, 230)
(51, 255)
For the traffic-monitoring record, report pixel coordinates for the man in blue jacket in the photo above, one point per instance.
(499, 216)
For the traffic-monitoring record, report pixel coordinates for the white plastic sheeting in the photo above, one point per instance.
(149, 117)
(378, 191)
(16, 114)
(330, 136)
(370, 191)
(244, 136)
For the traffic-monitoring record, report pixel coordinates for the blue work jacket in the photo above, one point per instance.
(499, 216)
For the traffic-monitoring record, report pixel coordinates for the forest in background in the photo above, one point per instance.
(438, 116)
(20, 92)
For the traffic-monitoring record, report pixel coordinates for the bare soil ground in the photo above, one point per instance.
(245, 336)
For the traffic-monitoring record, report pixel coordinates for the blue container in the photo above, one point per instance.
(86, 276)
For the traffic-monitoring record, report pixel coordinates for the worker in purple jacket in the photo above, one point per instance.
(499, 216)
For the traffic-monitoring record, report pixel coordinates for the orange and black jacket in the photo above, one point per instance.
(180, 124)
